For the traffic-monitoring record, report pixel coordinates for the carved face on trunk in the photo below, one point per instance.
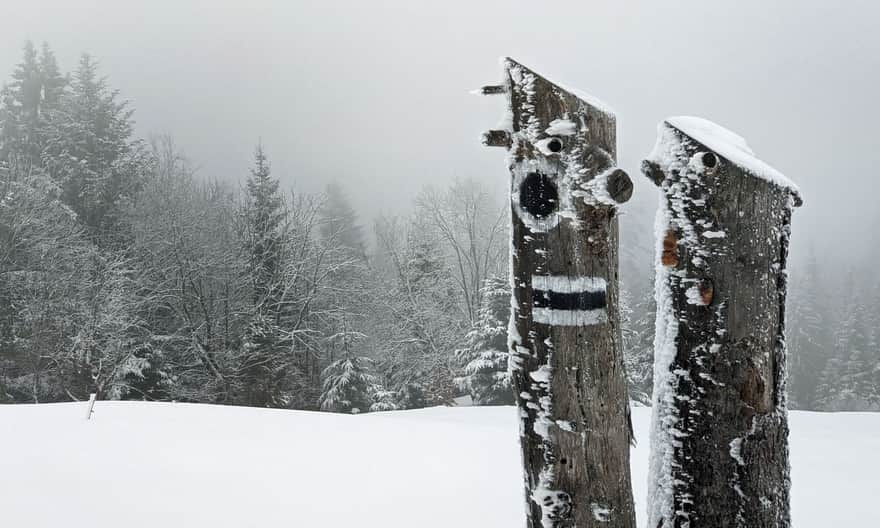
(559, 159)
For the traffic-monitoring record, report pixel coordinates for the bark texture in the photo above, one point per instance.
(720, 439)
(565, 342)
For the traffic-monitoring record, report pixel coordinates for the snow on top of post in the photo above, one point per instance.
(731, 146)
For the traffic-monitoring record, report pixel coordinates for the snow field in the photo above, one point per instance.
(163, 464)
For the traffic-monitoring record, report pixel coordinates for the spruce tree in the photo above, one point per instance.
(21, 106)
(89, 150)
(267, 373)
(383, 400)
(485, 375)
(850, 380)
(52, 81)
(807, 337)
(339, 221)
(348, 296)
(637, 322)
(349, 385)
(27, 101)
(265, 216)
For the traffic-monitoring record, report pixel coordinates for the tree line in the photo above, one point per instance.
(125, 273)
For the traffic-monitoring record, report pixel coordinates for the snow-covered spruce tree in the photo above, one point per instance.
(844, 321)
(637, 325)
(265, 215)
(347, 295)
(339, 220)
(27, 100)
(383, 400)
(637, 307)
(850, 380)
(349, 386)
(485, 375)
(87, 147)
(267, 372)
(808, 338)
(412, 395)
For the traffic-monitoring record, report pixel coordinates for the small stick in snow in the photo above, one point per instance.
(92, 398)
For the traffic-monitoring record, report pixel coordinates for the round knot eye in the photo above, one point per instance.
(554, 145)
(710, 160)
(538, 195)
(705, 162)
(550, 146)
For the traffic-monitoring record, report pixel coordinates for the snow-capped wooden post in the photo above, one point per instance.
(564, 335)
(719, 444)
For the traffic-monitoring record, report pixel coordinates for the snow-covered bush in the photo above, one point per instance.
(348, 385)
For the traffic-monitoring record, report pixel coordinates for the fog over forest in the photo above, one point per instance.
(375, 97)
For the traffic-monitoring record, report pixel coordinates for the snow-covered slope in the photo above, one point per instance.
(177, 465)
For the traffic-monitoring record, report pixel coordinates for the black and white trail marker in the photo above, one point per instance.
(567, 301)
(564, 337)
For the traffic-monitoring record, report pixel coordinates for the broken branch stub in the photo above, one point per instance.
(492, 89)
(565, 343)
(496, 138)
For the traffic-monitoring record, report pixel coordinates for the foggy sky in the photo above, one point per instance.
(375, 94)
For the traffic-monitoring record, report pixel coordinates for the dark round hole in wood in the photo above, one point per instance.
(710, 160)
(538, 195)
(563, 461)
(554, 145)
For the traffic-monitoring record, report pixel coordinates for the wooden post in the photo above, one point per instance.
(719, 447)
(564, 335)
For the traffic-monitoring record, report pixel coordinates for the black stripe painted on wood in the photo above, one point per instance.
(588, 300)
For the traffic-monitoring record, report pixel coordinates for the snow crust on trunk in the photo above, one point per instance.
(664, 435)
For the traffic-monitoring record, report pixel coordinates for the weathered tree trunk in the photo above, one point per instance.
(564, 337)
(720, 431)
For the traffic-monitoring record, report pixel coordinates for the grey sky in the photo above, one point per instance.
(375, 94)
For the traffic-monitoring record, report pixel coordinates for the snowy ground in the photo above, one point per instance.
(176, 465)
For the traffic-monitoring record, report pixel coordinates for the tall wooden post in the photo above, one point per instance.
(719, 446)
(564, 336)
